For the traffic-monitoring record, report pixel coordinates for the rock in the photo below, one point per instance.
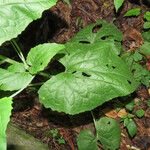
(18, 139)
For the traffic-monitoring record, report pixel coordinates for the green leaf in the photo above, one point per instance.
(147, 25)
(94, 74)
(5, 112)
(107, 34)
(39, 56)
(87, 141)
(133, 12)
(109, 133)
(15, 15)
(147, 16)
(126, 121)
(137, 56)
(140, 74)
(16, 67)
(132, 128)
(118, 4)
(145, 48)
(146, 36)
(11, 81)
(140, 113)
(130, 105)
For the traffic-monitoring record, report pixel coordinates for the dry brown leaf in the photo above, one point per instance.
(110, 113)
(122, 113)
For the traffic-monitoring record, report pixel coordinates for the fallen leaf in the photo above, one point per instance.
(122, 113)
(110, 113)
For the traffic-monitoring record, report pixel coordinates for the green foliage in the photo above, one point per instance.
(107, 34)
(118, 4)
(146, 36)
(147, 22)
(130, 124)
(55, 134)
(108, 132)
(133, 12)
(146, 25)
(140, 113)
(87, 141)
(11, 80)
(129, 106)
(140, 73)
(145, 48)
(5, 112)
(39, 56)
(94, 73)
(131, 127)
(147, 16)
(17, 14)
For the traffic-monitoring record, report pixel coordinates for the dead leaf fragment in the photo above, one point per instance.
(122, 113)
(110, 113)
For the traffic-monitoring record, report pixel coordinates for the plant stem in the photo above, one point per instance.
(93, 118)
(4, 59)
(44, 74)
(36, 84)
(19, 52)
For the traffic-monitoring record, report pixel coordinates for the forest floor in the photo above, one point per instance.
(58, 25)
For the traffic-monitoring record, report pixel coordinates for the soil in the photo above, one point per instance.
(59, 24)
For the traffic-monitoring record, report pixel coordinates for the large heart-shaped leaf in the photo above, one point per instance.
(11, 81)
(101, 31)
(39, 56)
(94, 74)
(5, 112)
(15, 15)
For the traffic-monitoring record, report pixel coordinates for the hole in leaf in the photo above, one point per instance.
(85, 74)
(84, 42)
(96, 28)
(133, 70)
(129, 81)
(104, 37)
(108, 122)
(113, 67)
(106, 65)
(74, 72)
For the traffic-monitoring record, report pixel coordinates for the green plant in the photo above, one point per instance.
(129, 106)
(94, 71)
(140, 113)
(55, 134)
(147, 22)
(118, 4)
(137, 12)
(133, 12)
(130, 125)
(107, 132)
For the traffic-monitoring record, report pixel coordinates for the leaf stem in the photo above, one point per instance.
(4, 59)
(19, 52)
(36, 84)
(94, 120)
(44, 74)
